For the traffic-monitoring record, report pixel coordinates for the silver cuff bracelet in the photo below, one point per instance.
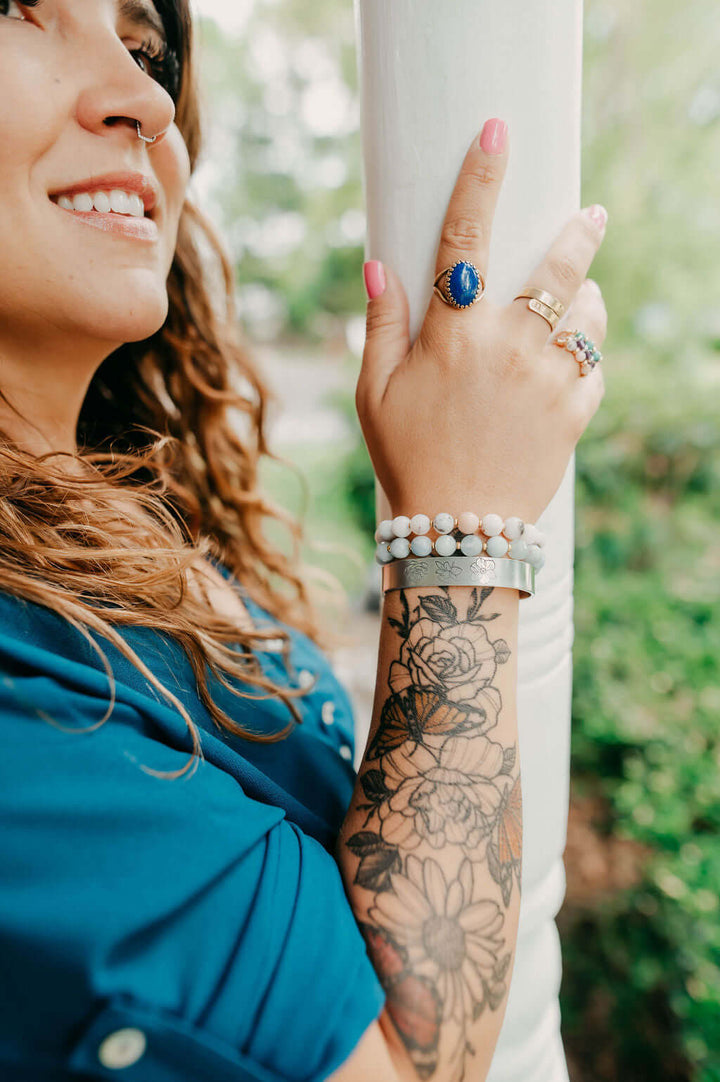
(459, 571)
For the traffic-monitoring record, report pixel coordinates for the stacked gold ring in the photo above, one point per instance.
(544, 304)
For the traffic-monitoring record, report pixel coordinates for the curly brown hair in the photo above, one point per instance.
(156, 424)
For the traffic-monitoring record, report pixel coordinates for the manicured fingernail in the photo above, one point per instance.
(598, 214)
(593, 284)
(374, 274)
(493, 136)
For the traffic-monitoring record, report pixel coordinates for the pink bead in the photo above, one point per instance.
(468, 522)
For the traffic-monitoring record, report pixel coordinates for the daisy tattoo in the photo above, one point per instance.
(437, 779)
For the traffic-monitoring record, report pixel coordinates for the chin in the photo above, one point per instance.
(140, 318)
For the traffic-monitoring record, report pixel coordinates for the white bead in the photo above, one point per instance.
(400, 548)
(471, 545)
(530, 533)
(421, 546)
(468, 522)
(492, 525)
(540, 539)
(327, 713)
(443, 522)
(382, 553)
(346, 751)
(445, 545)
(535, 553)
(513, 528)
(519, 549)
(540, 561)
(401, 526)
(384, 531)
(496, 546)
(419, 524)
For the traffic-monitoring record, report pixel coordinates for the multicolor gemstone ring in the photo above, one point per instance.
(460, 285)
(582, 349)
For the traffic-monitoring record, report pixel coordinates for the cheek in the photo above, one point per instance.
(26, 120)
(173, 170)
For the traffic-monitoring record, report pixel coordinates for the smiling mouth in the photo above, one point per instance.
(118, 222)
(118, 202)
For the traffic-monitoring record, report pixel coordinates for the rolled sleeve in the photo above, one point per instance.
(179, 910)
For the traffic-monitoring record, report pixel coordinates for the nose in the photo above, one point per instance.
(122, 95)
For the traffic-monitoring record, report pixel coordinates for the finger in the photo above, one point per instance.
(468, 222)
(587, 314)
(564, 267)
(586, 396)
(387, 333)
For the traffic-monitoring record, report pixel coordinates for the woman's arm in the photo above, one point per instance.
(430, 848)
(481, 414)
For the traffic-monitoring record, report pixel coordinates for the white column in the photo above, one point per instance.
(430, 75)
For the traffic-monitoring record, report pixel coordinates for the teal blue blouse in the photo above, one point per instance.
(171, 930)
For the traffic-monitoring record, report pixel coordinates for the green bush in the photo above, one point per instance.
(646, 704)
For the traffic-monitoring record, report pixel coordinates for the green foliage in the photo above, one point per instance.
(646, 702)
(283, 160)
(641, 984)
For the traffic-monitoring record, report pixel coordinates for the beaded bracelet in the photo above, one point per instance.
(521, 540)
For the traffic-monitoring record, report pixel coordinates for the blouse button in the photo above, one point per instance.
(305, 678)
(346, 751)
(122, 1048)
(328, 712)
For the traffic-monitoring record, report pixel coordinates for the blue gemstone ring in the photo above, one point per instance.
(460, 285)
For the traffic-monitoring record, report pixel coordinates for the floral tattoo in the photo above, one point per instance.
(437, 779)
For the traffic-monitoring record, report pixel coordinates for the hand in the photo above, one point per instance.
(481, 413)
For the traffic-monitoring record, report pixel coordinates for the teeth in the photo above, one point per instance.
(101, 201)
(118, 201)
(82, 201)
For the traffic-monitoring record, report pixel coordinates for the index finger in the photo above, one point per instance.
(468, 222)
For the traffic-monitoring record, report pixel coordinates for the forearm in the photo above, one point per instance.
(430, 847)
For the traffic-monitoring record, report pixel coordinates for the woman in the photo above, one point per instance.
(196, 885)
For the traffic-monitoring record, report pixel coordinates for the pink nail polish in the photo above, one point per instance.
(598, 214)
(493, 136)
(374, 274)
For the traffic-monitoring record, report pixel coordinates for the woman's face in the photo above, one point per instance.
(72, 87)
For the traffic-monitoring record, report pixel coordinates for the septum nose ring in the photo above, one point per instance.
(146, 138)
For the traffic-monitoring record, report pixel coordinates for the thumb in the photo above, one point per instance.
(387, 333)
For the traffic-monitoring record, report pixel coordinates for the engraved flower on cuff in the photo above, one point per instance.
(415, 571)
(451, 940)
(450, 797)
(485, 570)
(445, 567)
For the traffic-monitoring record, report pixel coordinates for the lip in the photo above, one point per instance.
(146, 187)
(123, 224)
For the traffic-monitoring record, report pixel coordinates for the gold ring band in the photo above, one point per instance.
(545, 298)
(548, 314)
